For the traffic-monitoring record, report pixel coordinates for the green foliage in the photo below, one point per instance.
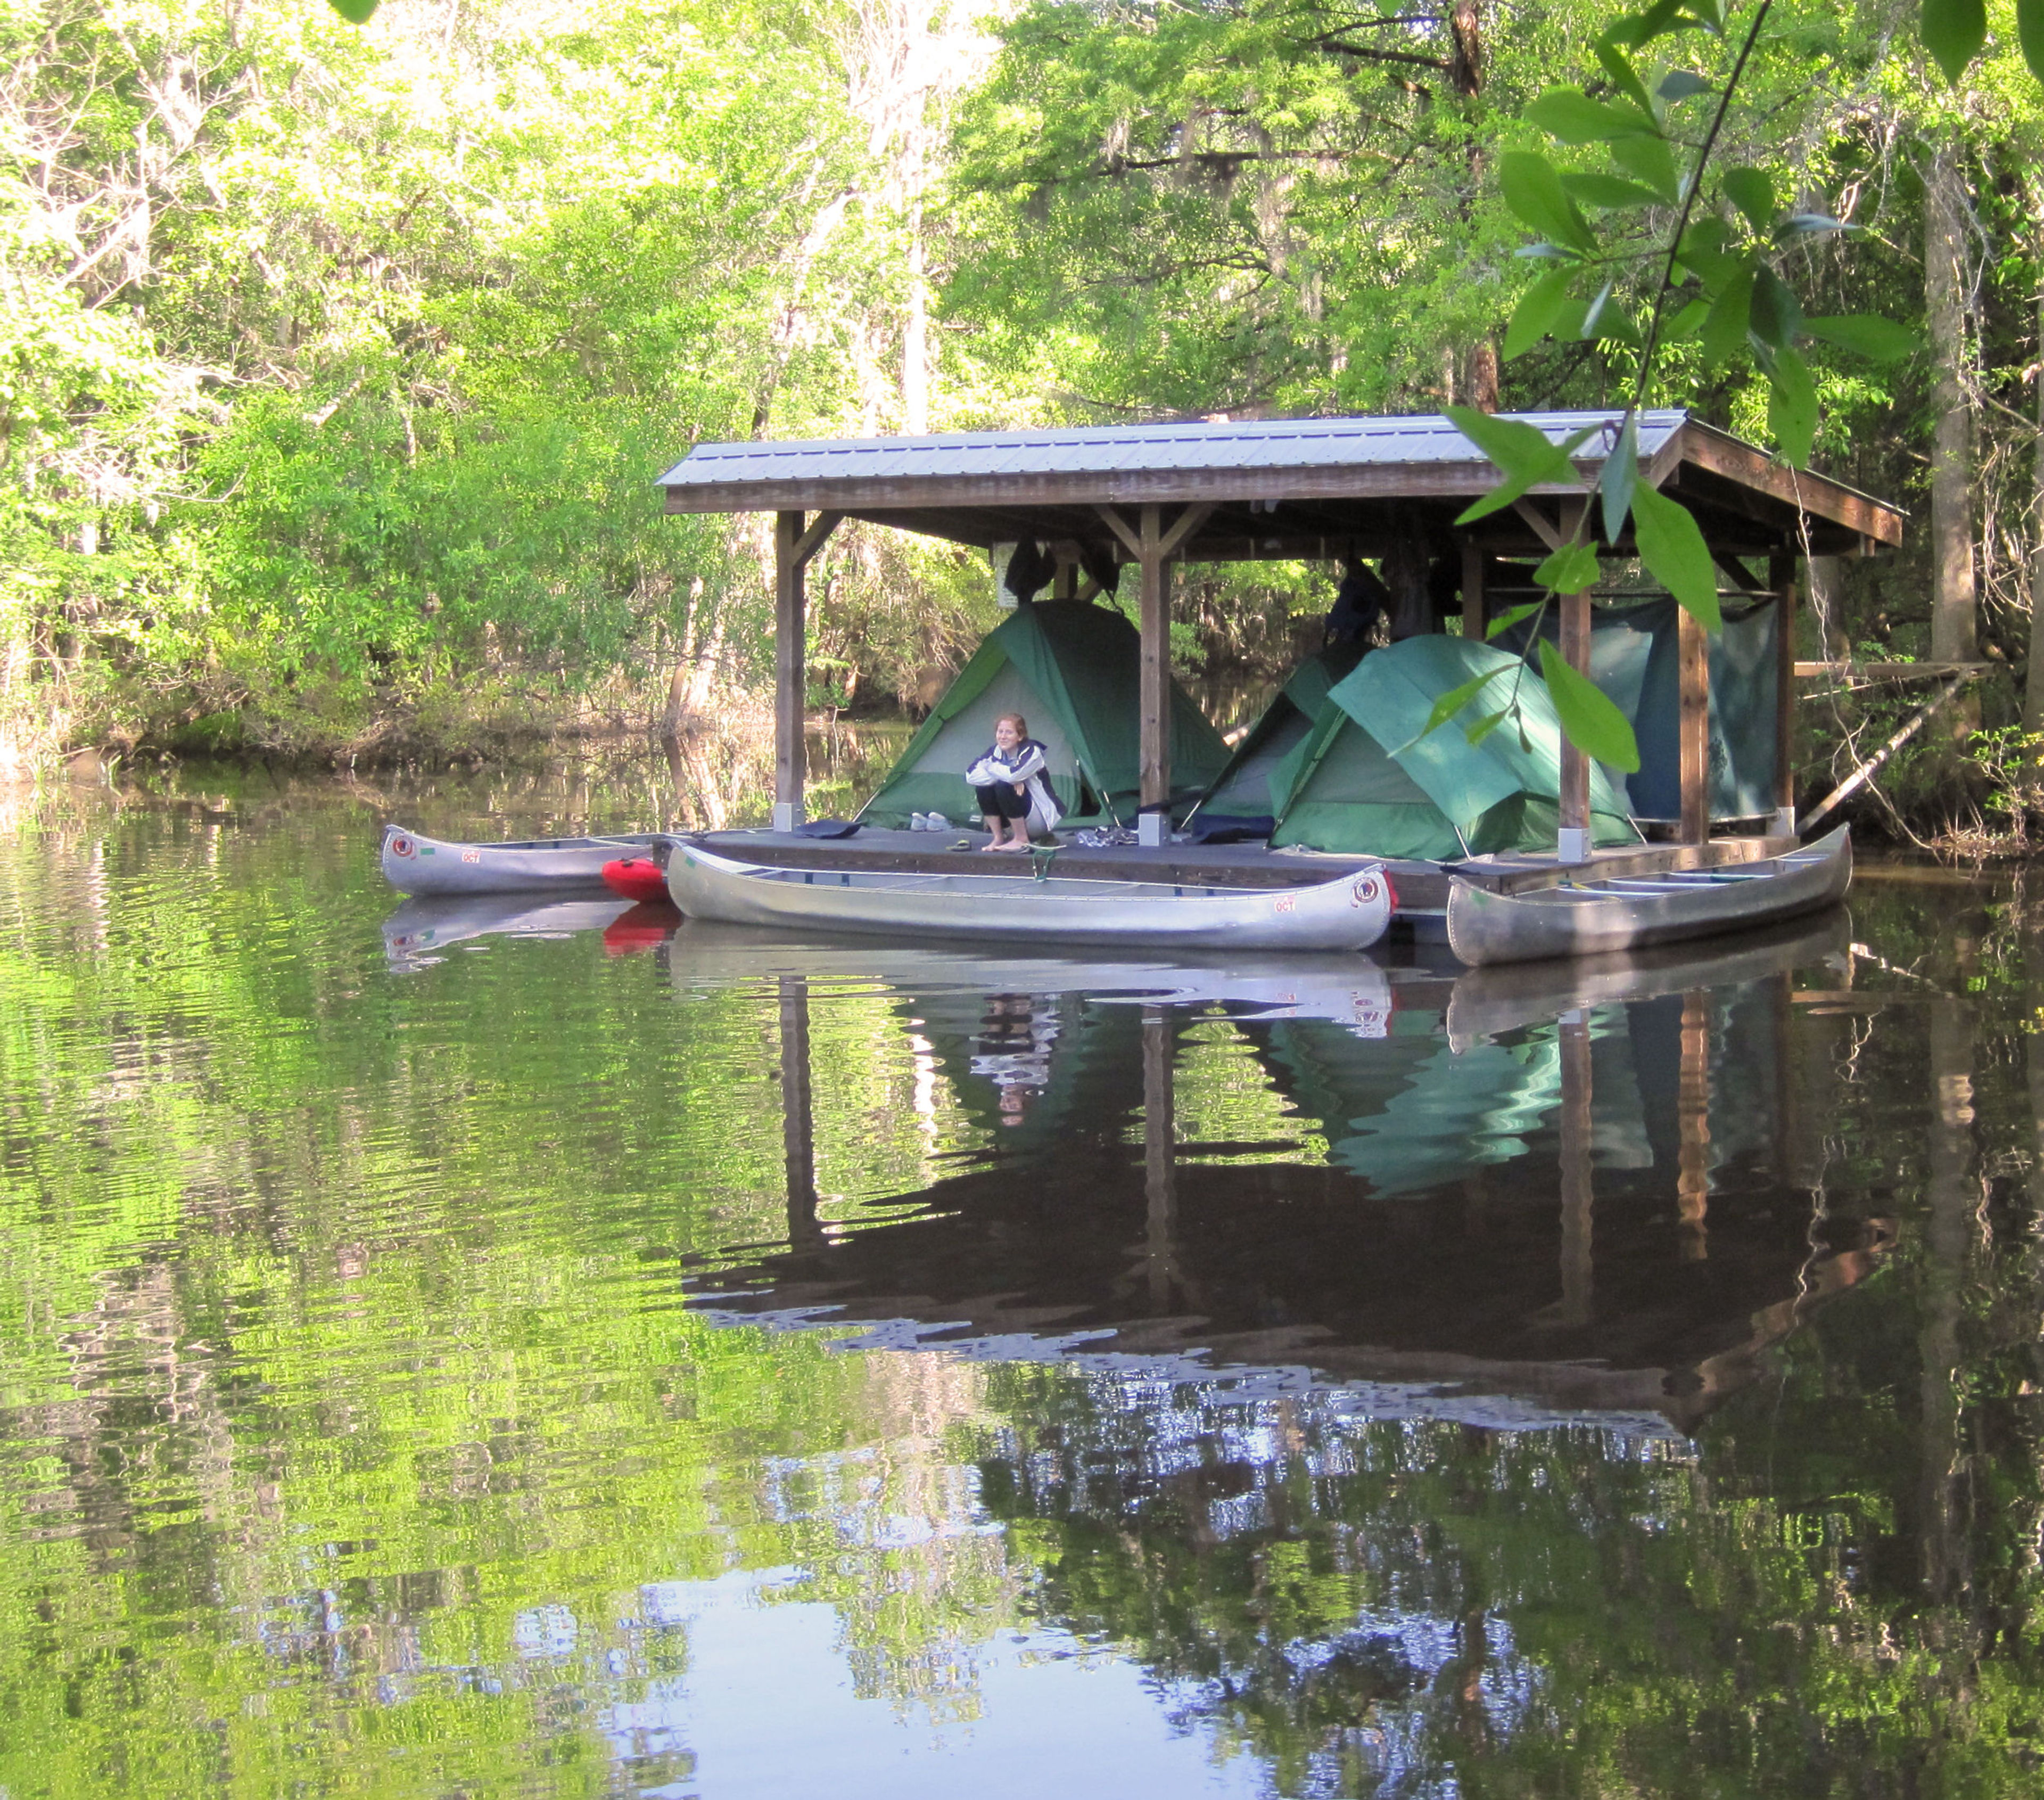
(1594, 723)
(371, 407)
(1954, 31)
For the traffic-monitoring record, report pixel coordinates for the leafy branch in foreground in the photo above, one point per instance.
(1646, 250)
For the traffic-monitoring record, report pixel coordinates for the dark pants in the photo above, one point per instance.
(1001, 801)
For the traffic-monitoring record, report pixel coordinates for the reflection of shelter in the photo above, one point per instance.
(1646, 1248)
(1152, 495)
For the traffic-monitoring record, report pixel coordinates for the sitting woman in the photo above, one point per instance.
(1012, 783)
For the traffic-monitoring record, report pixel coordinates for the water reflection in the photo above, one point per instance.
(1504, 1216)
(487, 1363)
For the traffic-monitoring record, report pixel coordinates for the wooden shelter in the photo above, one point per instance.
(1228, 491)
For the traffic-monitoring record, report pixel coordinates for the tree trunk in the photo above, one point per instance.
(1945, 295)
(1952, 1195)
(2033, 686)
(1482, 380)
(1827, 599)
(915, 334)
(1465, 71)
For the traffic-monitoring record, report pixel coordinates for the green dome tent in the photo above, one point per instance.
(1243, 789)
(1369, 778)
(1073, 671)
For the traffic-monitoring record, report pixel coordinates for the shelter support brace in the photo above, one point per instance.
(796, 539)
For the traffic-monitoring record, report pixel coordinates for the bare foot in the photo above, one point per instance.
(1014, 843)
(994, 845)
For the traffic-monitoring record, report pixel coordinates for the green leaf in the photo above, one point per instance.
(1682, 84)
(1617, 479)
(1608, 190)
(1705, 249)
(1776, 314)
(1954, 31)
(1752, 191)
(1648, 159)
(1528, 457)
(1604, 322)
(1533, 190)
(1671, 545)
(1569, 570)
(1686, 323)
(1594, 725)
(1661, 17)
(1791, 406)
(1453, 701)
(1619, 66)
(1488, 723)
(1879, 339)
(1517, 447)
(1730, 319)
(355, 11)
(1571, 115)
(2030, 34)
(1537, 313)
(1511, 616)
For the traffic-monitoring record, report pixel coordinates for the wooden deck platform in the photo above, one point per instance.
(1423, 887)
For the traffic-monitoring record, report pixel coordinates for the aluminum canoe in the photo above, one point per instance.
(416, 863)
(1589, 917)
(1348, 913)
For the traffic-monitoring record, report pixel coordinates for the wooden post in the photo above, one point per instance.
(1574, 843)
(1476, 610)
(1578, 1265)
(791, 673)
(805, 1232)
(795, 542)
(1156, 678)
(1692, 664)
(1153, 548)
(1781, 578)
(1693, 1126)
(1159, 1156)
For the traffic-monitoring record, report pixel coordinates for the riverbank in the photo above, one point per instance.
(1962, 791)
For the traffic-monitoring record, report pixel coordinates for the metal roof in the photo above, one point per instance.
(1271, 487)
(1204, 447)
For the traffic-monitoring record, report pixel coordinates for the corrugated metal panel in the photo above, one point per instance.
(1267, 444)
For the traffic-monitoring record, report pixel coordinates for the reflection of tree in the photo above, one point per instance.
(354, 1405)
(346, 1379)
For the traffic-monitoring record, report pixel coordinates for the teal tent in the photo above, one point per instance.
(1243, 789)
(1072, 671)
(1369, 777)
(1633, 658)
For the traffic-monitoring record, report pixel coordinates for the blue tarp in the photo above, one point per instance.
(1633, 658)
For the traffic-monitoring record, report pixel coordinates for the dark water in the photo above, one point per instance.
(469, 1354)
